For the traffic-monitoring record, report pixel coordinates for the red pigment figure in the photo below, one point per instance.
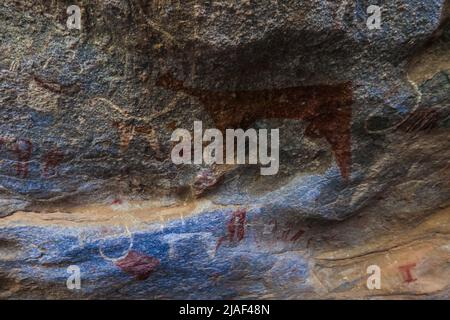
(117, 202)
(406, 272)
(138, 264)
(51, 160)
(297, 236)
(235, 227)
(23, 149)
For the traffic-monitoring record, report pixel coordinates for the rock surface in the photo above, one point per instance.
(86, 177)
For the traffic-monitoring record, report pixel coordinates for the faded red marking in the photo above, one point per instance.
(138, 264)
(219, 243)
(274, 222)
(23, 150)
(215, 278)
(327, 108)
(127, 132)
(406, 272)
(297, 235)
(103, 230)
(285, 234)
(421, 120)
(235, 228)
(52, 160)
(117, 201)
(2, 142)
(205, 181)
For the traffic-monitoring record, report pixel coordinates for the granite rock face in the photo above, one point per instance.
(86, 177)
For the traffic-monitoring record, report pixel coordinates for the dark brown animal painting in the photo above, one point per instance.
(327, 108)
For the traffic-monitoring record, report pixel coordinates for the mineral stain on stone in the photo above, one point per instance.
(327, 108)
(138, 264)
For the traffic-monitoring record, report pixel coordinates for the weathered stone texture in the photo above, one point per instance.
(86, 119)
